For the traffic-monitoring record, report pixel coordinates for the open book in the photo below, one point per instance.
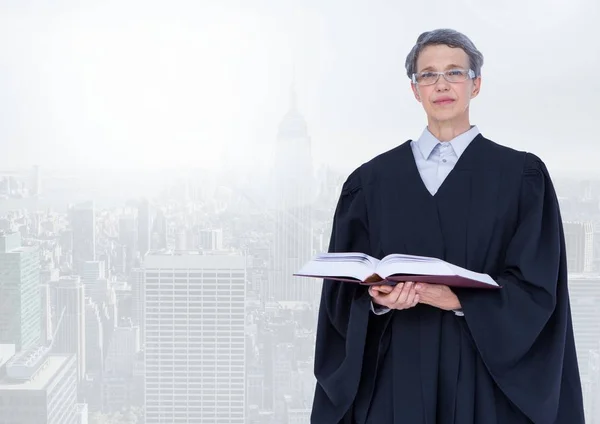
(364, 269)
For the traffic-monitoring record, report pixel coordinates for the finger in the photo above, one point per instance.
(410, 299)
(416, 300)
(382, 288)
(374, 291)
(392, 297)
(401, 302)
(385, 288)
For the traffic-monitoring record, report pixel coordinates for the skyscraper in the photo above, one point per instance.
(128, 237)
(39, 388)
(144, 227)
(83, 223)
(211, 239)
(585, 305)
(68, 299)
(136, 280)
(20, 299)
(293, 196)
(195, 339)
(119, 380)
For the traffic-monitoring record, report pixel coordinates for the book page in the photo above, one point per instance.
(348, 256)
(423, 267)
(339, 266)
(485, 278)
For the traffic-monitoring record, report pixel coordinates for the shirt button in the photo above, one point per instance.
(444, 160)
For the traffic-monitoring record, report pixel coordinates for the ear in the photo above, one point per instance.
(476, 87)
(415, 90)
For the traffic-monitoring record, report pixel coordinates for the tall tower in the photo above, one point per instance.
(293, 194)
(68, 299)
(579, 239)
(584, 290)
(83, 222)
(128, 237)
(144, 227)
(20, 299)
(195, 338)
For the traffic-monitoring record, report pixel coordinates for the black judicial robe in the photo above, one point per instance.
(511, 358)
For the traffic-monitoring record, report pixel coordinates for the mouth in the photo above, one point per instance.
(444, 101)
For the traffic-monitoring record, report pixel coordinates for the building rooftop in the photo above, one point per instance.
(189, 260)
(40, 380)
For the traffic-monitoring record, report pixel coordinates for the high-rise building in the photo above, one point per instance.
(585, 306)
(94, 339)
(591, 389)
(579, 238)
(69, 333)
(211, 239)
(83, 223)
(136, 280)
(160, 231)
(46, 313)
(596, 247)
(119, 379)
(294, 191)
(128, 237)
(93, 271)
(195, 338)
(144, 227)
(20, 299)
(39, 388)
(81, 413)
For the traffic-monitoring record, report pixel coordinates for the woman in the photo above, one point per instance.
(421, 353)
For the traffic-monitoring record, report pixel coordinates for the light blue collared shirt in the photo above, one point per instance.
(435, 160)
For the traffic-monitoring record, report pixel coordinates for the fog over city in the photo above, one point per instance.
(152, 151)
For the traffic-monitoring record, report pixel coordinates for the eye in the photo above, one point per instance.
(426, 77)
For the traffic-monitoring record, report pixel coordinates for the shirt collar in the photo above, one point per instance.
(428, 141)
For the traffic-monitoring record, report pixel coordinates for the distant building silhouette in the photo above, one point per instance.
(144, 232)
(67, 296)
(38, 387)
(83, 223)
(579, 238)
(20, 298)
(294, 191)
(585, 305)
(195, 338)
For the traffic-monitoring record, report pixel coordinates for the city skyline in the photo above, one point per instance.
(129, 89)
(165, 170)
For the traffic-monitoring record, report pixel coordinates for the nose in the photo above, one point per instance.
(442, 84)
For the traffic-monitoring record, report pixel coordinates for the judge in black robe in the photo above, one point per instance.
(510, 359)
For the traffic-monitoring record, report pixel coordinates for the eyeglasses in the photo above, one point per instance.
(451, 75)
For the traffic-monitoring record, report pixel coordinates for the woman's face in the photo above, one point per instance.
(445, 101)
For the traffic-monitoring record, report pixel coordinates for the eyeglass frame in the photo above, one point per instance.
(470, 75)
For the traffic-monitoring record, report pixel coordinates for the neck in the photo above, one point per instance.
(447, 130)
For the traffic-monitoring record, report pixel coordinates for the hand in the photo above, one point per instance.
(401, 296)
(438, 295)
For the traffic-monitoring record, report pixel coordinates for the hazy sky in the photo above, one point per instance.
(137, 84)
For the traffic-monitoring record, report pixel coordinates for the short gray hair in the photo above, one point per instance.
(448, 37)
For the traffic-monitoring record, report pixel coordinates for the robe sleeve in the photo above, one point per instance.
(343, 314)
(521, 330)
